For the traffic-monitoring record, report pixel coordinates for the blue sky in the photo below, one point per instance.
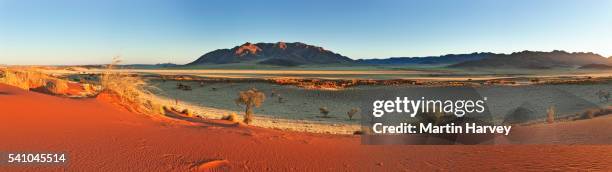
(156, 31)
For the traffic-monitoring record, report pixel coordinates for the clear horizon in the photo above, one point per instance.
(71, 32)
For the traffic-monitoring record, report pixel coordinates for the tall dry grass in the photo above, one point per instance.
(28, 78)
(131, 90)
(24, 78)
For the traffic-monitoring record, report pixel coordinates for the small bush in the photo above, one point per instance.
(280, 99)
(324, 111)
(352, 113)
(231, 117)
(550, 115)
(604, 111)
(57, 86)
(588, 114)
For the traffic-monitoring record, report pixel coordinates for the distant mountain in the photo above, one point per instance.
(159, 65)
(536, 60)
(430, 60)
(597, 66)
(281, 54)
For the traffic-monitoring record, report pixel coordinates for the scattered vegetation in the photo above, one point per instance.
(589, 114)
(604, 96)
(592, 113)
(250, 99)
(183, 87)
(24, 78)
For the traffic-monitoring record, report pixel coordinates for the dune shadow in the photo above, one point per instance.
(5, 93)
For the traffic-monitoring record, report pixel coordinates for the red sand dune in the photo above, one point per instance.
(99, 136)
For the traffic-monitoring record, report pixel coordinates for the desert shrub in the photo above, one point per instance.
(280, 99)
(131, 90)
(588, 114)
(352, 113)
(90, 88)
(57, 86)
(187, 112)
(250, 99)
(604, 111)
(550, 115)
(231, 117)
(434, 117)
(324, 111)
(592, 113)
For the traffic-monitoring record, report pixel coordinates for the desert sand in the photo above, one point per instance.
(98, 135)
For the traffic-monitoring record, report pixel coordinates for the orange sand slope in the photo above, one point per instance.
(99, 137)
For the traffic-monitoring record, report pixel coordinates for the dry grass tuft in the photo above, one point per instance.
(550, 115)
(130, 90)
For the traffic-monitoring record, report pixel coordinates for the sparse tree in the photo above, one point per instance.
(352, 113)
(324, 111)
(250, 99)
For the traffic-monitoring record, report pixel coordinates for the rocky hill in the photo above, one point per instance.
(281, 54)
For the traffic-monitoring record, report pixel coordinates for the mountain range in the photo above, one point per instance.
(431, 60)
(536, 60)
(297, 53)
(281, 54)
